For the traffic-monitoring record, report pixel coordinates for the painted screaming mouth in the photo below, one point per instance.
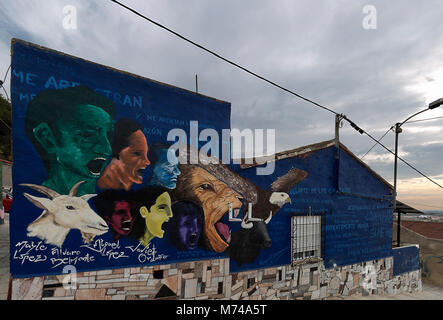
(223, 230)
(140, 172)
(95, 166)
(126, 225)
(192, 241)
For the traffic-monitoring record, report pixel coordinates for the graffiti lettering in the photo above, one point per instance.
(71, 261)
(25, 257)
(30, 246)
(146, 253)
(26, 96)
(25, 78)
(61, 84)
(107, 249)
(25, 248)
(123, 99)
(152, 131)
(64, 252)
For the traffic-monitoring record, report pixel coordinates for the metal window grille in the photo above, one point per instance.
(306, 231)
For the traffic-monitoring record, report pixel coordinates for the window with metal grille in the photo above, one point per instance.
(306, 231)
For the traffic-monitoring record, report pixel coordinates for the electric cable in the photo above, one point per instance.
(2, 82)
(7, 97)
(378, 141)
(361, 131)
(223, 58)
(398, 157)
(7, 71)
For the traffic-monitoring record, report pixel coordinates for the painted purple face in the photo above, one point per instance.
(189, 230)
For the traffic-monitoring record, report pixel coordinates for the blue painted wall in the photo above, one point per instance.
(357, 228)
(358, 221)
(157, 106)
(406, 259)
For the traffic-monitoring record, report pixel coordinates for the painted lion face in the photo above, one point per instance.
(214, 197)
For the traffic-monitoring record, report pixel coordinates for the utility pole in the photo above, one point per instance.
(433, 105)
(397, 131)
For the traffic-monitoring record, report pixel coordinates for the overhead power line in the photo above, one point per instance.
(7, 97)
(7, 71)
(398, 157)
(2, 82)
(428, 119)
(264, 79)
(223, 58)
(377, 142)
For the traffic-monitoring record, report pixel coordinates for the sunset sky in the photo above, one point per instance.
(321, 50)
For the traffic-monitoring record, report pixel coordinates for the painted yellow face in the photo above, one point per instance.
(159, 213)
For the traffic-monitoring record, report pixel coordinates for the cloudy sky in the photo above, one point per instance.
(377, 67)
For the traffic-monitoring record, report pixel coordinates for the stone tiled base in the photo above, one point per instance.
(210, 279)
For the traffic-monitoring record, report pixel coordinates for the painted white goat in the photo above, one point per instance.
(61, 213)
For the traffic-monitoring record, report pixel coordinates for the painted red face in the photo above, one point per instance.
(121, 220)
(134, 157)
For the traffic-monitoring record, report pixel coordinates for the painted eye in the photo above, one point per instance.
(162, 207)
(207, 186)
(70, 208)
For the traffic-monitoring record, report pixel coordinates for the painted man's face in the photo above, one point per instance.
(82, 143)
(159, 213)
(189, 230)
(215, 197)
(166, 169)
(121, 219)
(134, 157)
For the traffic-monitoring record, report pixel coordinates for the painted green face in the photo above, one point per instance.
(82, 142)
(159, 213)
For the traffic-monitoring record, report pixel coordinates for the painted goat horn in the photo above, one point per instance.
(46, 191)
(246, 225)
(73, 191)
(269, 218)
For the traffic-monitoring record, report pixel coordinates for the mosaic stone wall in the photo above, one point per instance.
(210, 279)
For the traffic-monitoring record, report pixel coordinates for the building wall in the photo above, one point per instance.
(357, 217)
(430, 253)
(211, 279)
(356, 207)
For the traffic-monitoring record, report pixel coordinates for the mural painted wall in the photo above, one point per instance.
(357, 222)
(97, 186)
(92, 178)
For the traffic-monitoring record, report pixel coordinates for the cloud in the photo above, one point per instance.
(321, 51)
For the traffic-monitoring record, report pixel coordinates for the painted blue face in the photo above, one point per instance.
(189, 231)
(166, 171)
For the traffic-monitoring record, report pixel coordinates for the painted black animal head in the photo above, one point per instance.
(246, 244)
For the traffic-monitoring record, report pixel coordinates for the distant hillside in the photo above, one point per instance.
(438, 213)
